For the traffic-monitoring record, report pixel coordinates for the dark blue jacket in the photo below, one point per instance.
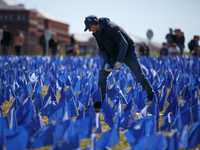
(114, 43)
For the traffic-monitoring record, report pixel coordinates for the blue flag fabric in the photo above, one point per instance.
(14, 137)
(81, 115)
(91, 113)
(162, 98)
(139, 102)
(37, 90)
(194, 135)
(117, 108)
(43, 137)
(149, 144)
(39, 102)
(9, 93)
(127, 120)
(195, 96)
(70, 143)
(63, 130)
(56, 112)
(143, 127)
(172, 140)
(104, 105)
(15, 104)
(114, 134)
(38, 122)
(12, 120)
(71, 108)
(143, 113)
(101, 143)
(109, 117)
(1, 113)
(83, 128)
(183, 137)
(96, 96)
(153, 106)
(25, 112)
(195, 113)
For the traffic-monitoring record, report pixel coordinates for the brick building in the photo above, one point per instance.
(32, 24)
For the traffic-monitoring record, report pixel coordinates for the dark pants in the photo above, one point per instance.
(53, 51)
(44, 49)
(18, 50)
(133, 62)
(5, 48)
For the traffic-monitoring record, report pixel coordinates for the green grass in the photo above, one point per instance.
(123, 144)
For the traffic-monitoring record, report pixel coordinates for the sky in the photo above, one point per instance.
(135, 16)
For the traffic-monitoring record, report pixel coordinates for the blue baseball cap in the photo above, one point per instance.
(89, 20)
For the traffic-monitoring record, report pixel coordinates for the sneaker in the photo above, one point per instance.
(97, 105)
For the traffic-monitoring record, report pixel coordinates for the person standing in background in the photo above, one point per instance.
(144, 49)
(180, 42)
(169, 38)
(174, 50)
(164, 50)
(5, 42)
(53, 43)
(72, 40)
(18, 42)
(42, 43)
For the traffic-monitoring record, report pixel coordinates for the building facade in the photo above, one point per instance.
(32, 24)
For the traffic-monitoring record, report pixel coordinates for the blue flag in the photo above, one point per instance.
(38, 122)
(1, 113)
(195, 96)
(108, 117)
(83, 127)
(162, 98)
(143, 127)
(147, 142)
(15, 104)
(114, 134)
(56, 112)
(9, 93)
(194, 135)
(39, 102)
(14, 137)
(12, 120)
(183, 137)
(71, 108)
(43, 137)
(104, 105)
(127, 120)
(70, 143)
(25, 112)
(172, 140)
(139, 102)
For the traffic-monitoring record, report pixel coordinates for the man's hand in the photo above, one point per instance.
(107, 67)
(117, 65)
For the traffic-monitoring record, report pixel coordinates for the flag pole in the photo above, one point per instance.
(15, 117)
(5, 142)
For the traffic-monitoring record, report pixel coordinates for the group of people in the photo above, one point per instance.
(73, 49)
(6, 41)
(52, 43)
(176, 42)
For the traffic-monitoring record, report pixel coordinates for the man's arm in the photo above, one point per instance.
(117, 36)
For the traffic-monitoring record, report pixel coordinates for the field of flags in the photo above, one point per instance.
(73, 118)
